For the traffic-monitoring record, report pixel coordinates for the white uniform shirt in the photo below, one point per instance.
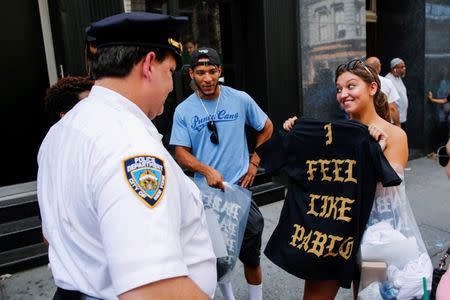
(388, 88)
(402, 103)
(104, 238)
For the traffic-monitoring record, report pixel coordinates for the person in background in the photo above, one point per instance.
(387, 88)
(189, 45)
(444, 118)
(64, 94)
(122, 219)
(209, 137)
(443, 289)
(359, 93)
(398, 71)
(62, 97)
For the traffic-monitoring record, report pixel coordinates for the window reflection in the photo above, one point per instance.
(437, 50)
(331, 32)
(339, 21)
(202, 30)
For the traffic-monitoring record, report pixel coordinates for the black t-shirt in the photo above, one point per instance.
(333, 169)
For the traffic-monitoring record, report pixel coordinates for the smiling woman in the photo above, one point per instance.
(359, 94)
(370, 77)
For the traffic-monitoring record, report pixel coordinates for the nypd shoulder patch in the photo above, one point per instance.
(146, 176)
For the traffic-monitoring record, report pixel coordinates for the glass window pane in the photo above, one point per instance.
(202, 30)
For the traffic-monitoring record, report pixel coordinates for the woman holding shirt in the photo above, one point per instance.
(359, 94)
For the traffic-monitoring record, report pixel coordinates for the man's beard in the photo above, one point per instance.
(203, 93)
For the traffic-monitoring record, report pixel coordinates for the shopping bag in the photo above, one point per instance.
(392, 237)
(218, 242)
(231, 208)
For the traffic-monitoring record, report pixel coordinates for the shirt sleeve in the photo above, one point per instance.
(385, 173)
(142, 244)
(274, 152)
(180, 131)
(255, 116)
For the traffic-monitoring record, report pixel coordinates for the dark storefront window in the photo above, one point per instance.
(203, 30)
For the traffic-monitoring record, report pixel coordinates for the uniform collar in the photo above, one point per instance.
(121, 103)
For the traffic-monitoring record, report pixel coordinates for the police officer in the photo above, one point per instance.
(121, 218)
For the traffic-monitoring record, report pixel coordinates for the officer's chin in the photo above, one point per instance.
(160, 112)
(152, 115)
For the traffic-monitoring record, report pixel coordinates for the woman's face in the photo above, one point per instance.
(354, 94)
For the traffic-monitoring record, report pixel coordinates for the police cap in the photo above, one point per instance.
(138, 29)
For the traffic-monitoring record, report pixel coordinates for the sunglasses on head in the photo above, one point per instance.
(351, 65)
(214, 137)
(442, 156)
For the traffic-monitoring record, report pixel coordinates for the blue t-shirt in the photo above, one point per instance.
(235, 109)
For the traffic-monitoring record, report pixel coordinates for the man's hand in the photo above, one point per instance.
(189, 161)
(249, 177)
(214, 178)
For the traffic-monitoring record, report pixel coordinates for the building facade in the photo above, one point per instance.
(332, 32)
(283, 53)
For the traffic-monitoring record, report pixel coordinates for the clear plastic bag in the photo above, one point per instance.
(393, 254)
(231, 208)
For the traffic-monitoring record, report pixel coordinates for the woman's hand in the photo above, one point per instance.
(379, 135)
(430, 95)
(289, 123)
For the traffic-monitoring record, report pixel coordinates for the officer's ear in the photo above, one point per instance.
(191, 73)
(148, 63)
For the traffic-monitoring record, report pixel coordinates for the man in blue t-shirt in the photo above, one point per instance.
(209, 137)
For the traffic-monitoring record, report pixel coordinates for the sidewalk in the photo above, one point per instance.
(428, 189)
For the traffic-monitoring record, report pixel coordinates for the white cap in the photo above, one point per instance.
(395, 62)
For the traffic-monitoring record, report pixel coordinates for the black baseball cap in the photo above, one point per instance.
(138, 29)
(205, 52)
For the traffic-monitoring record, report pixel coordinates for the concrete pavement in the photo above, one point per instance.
(428, 189)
